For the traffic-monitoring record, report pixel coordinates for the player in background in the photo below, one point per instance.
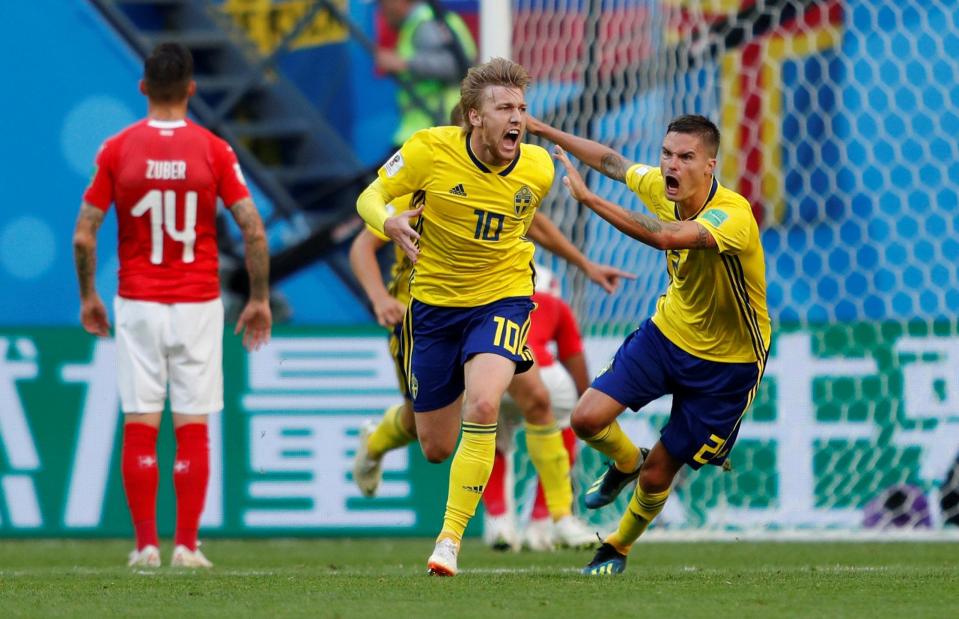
(164, 175)
(552, 323)
(707, 342)
(465, 328)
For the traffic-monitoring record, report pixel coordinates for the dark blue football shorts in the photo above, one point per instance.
(709, 398)
(438, 341)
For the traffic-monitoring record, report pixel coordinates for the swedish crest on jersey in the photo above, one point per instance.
(522, 200)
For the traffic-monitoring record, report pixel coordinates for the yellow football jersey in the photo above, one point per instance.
(399, 284)
(715, 305)
(473, 248)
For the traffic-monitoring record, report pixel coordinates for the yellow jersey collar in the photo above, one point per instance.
(709, 198)
(482, 166)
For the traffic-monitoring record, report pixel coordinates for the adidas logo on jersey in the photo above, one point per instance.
(474, 489)
(458, 190)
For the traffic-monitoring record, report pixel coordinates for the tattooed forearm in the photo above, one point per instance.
(258, 267)
(85, 247)
(653, 231)
(703, 238)
(256, 250)
(86, 261)
(615, 166)
(651, 225)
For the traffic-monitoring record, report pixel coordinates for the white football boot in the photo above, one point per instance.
(184, 557)
(148, 556)
(367, 471)
(443, 560)
(499, 532)
(538, 535)
(571, 532)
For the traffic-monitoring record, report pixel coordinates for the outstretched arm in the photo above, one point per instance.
(256, 319)
(386, 308)
(649, 230)
(597, 156)
(93, 314)
(544, 232)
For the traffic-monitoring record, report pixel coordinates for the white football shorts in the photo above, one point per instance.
(562, 395)
(180, 344)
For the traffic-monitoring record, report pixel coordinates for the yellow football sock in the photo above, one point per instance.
(469, 473)
(390, 434)
(546, 450)
(643, 509)
(613, 442)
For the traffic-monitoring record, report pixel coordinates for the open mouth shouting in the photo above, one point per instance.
(511, 141)
(672, 185)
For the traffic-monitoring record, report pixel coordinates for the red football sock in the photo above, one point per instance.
(494, 497)
(191, 473)
(138, 465)
(570, 441)
(540, 510)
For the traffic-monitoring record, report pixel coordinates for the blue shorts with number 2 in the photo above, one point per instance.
(438, 341)
(709, 398)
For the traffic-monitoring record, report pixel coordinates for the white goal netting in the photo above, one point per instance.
(839, 123)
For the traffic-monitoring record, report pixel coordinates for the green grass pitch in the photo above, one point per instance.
(386, 578)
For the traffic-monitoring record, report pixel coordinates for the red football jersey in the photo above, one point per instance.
(164, 178)
(552, 321)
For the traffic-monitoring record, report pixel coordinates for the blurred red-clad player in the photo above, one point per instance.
(164, 175)
(566, 378)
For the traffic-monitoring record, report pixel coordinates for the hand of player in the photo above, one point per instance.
(255, 321)
(534, 125)
(399, 230)
(606, 276)
(389, 312)
(574, 183)
(93, 316)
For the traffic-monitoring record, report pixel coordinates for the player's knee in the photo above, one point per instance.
(584, 424)
(435, 452)
(481, 409)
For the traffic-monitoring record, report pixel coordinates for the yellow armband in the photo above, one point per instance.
(372, 206)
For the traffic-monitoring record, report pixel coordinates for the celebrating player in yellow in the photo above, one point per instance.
(706, 344)
(478, 187)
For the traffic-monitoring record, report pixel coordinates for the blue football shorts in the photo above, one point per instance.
(709, 398)
(438, 341)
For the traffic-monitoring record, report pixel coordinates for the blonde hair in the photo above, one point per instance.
(496, 72)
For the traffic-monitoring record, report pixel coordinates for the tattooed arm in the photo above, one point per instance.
(256, 319)
(597, 156)
(93, 314)
(649, 230)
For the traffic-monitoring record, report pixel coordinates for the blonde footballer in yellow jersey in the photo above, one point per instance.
(397, 427)
(706, 344)
(470, 206)
(464, 331)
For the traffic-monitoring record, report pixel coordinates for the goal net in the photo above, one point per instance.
(839, 123)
